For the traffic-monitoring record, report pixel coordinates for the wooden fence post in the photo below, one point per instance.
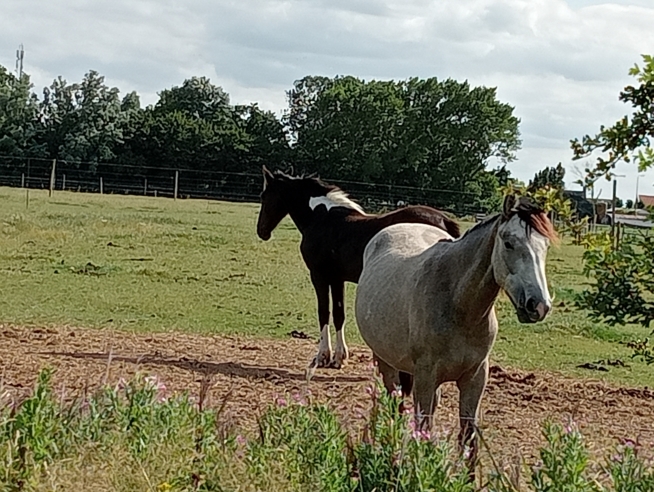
(52, 176)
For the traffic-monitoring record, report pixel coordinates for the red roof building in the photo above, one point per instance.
(648, 200)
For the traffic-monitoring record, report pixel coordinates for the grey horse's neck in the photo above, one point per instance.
(475, 285)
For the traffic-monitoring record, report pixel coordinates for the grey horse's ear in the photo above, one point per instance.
(267, 175)
(508, 207)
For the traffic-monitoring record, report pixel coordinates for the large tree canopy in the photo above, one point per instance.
(426, 132)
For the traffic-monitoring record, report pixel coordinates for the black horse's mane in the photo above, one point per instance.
(311, 181)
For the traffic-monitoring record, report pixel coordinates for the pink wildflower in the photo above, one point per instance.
(630, 443)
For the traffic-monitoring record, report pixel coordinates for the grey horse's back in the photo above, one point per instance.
(391, 260)
(402, 240)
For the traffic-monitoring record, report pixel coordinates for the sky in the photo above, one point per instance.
(560, 63)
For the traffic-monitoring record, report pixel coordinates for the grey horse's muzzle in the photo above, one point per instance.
(532, 309)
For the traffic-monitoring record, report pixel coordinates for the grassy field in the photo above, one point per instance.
(145, 264)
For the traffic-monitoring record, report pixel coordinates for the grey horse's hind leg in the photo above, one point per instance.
(390, 375)
(471, 388)
(393, 379)
(406, 382)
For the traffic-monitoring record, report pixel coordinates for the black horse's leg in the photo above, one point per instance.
(324, 355)
(406, 382)
(338, 305)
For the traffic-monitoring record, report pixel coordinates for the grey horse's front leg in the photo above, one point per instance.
(425, 384)
(471, 387)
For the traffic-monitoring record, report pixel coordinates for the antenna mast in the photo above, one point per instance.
(19, 61)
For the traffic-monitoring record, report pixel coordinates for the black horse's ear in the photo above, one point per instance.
(267, 175)
(508, 207)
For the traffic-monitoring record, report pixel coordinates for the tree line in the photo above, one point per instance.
(424, 133)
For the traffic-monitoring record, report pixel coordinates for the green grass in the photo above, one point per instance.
(153, 264)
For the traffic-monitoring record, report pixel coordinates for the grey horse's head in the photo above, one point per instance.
(519, 254)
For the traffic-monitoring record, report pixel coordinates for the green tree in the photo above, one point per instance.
(268, 142)
(18, 114)
(550, 176)
(81, 122)
(196, 97)
(630, 138)
(623, 274)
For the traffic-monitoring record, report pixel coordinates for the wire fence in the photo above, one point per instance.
(108, 178)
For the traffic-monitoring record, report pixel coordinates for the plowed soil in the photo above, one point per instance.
(246, 375)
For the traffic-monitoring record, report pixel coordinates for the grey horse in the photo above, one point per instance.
(425, 303)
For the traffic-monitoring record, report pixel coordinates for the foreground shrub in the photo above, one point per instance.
(135, 437)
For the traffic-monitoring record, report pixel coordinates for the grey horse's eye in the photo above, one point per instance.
(508, 245)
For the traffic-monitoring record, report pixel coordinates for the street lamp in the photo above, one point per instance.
(636, 201)
(615, 184)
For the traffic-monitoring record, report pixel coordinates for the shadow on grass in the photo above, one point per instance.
(237, 369)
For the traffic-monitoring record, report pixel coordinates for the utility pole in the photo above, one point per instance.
(615, 184)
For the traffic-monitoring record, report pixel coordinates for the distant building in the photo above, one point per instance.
(602, 216)
(648, 200)
(582, 206)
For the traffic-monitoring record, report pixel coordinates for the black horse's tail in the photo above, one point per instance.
(452, 227)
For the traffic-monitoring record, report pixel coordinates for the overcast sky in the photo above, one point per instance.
(560, 63)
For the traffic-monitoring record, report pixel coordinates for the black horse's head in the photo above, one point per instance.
(274, 202)
(284, 194)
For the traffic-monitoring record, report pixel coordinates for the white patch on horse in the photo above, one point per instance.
(335, 198)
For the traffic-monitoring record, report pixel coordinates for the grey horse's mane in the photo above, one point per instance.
(533, 216)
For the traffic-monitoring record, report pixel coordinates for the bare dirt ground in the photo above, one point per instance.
(249, 374)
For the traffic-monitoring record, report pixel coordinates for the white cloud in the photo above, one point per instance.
(560, 63)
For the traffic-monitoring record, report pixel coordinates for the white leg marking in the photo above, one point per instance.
(341, 352)
(324, 355)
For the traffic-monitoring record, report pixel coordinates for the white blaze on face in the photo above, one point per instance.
(538, 248)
